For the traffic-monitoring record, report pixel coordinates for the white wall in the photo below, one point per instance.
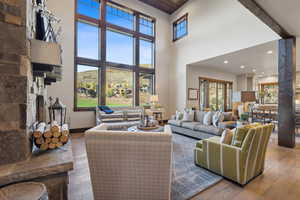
(194, 72)
(298, 53)
(216, 27)
(64, 9)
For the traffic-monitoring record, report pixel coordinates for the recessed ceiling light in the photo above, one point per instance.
(242, 67)
(226, 62)
(270, 52)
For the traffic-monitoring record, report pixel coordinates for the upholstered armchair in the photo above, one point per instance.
(129, 165)
(240, 164)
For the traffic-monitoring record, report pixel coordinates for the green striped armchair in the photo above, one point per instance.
(237, 164)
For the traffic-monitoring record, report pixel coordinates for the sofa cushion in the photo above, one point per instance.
(111, 116)
(227, 124)
(111, 120)
(106, 109)
(188, 116)
(199, 116)
(207, 118)
(226, 137)
(175, 122)
(209, 129)
(190, 125)
(217, 118)
(179, 115)
(228, 116)
(239, 136)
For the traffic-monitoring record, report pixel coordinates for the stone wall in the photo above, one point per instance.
(18, 88)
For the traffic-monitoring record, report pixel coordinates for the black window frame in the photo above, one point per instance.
(175, 26)
(102, 63)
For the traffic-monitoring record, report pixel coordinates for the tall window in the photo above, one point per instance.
(114, 59)
(180, 27)
(119, 87)
(215, 94)
(87, 86)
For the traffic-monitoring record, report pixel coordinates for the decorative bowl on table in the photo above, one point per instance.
(146, 128)
(148, 123)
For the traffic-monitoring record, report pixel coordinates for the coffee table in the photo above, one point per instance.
(136, 129)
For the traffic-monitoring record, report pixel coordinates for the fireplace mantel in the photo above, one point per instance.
(48, 167)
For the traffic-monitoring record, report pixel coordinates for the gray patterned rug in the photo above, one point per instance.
(188, 179)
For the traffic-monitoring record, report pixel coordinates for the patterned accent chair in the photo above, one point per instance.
(129, 165)
(238, 164)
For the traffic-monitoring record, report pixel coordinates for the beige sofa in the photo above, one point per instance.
(129, 165)
(197, 129)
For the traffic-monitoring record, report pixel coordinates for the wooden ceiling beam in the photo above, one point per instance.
(260, 13)
(165, 5)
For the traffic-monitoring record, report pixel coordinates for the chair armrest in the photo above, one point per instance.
(224, 159)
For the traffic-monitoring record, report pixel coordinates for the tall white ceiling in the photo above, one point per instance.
(285, 12)
(253, 58)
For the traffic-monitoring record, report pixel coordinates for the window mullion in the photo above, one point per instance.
(103, 54)
(137, 62)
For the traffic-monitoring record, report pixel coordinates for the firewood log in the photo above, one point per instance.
(57, 134)
(59, 144)
(48, 140)
(48, 133)
(38, 132)
(52, 146)
(65, 129)
(44, 146)
(54, 140)
(39, 141)
(64, 139)
(54, 127)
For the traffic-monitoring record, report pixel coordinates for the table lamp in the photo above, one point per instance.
(154, 101)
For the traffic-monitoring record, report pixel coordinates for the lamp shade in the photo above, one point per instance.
(154, 98)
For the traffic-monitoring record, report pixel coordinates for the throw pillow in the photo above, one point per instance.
(226, 137)
(239, 136)
(199, 116)
(217, 118)
(207, 118)
(228, 116)
(106, 109)
(188, 116)
(179, 115)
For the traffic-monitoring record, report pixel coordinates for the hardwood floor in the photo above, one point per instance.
(280, 181)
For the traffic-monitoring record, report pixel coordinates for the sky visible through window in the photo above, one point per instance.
(120, 47)
(88, 41)
(89, 8)
(181, 29)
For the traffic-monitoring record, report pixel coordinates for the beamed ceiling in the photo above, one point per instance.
(168, 6)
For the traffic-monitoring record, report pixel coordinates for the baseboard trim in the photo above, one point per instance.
(79, 130)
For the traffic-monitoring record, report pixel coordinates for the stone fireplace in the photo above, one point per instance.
(16, 82)
(23, 96)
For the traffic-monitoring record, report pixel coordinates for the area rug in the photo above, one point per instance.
(188, 179)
